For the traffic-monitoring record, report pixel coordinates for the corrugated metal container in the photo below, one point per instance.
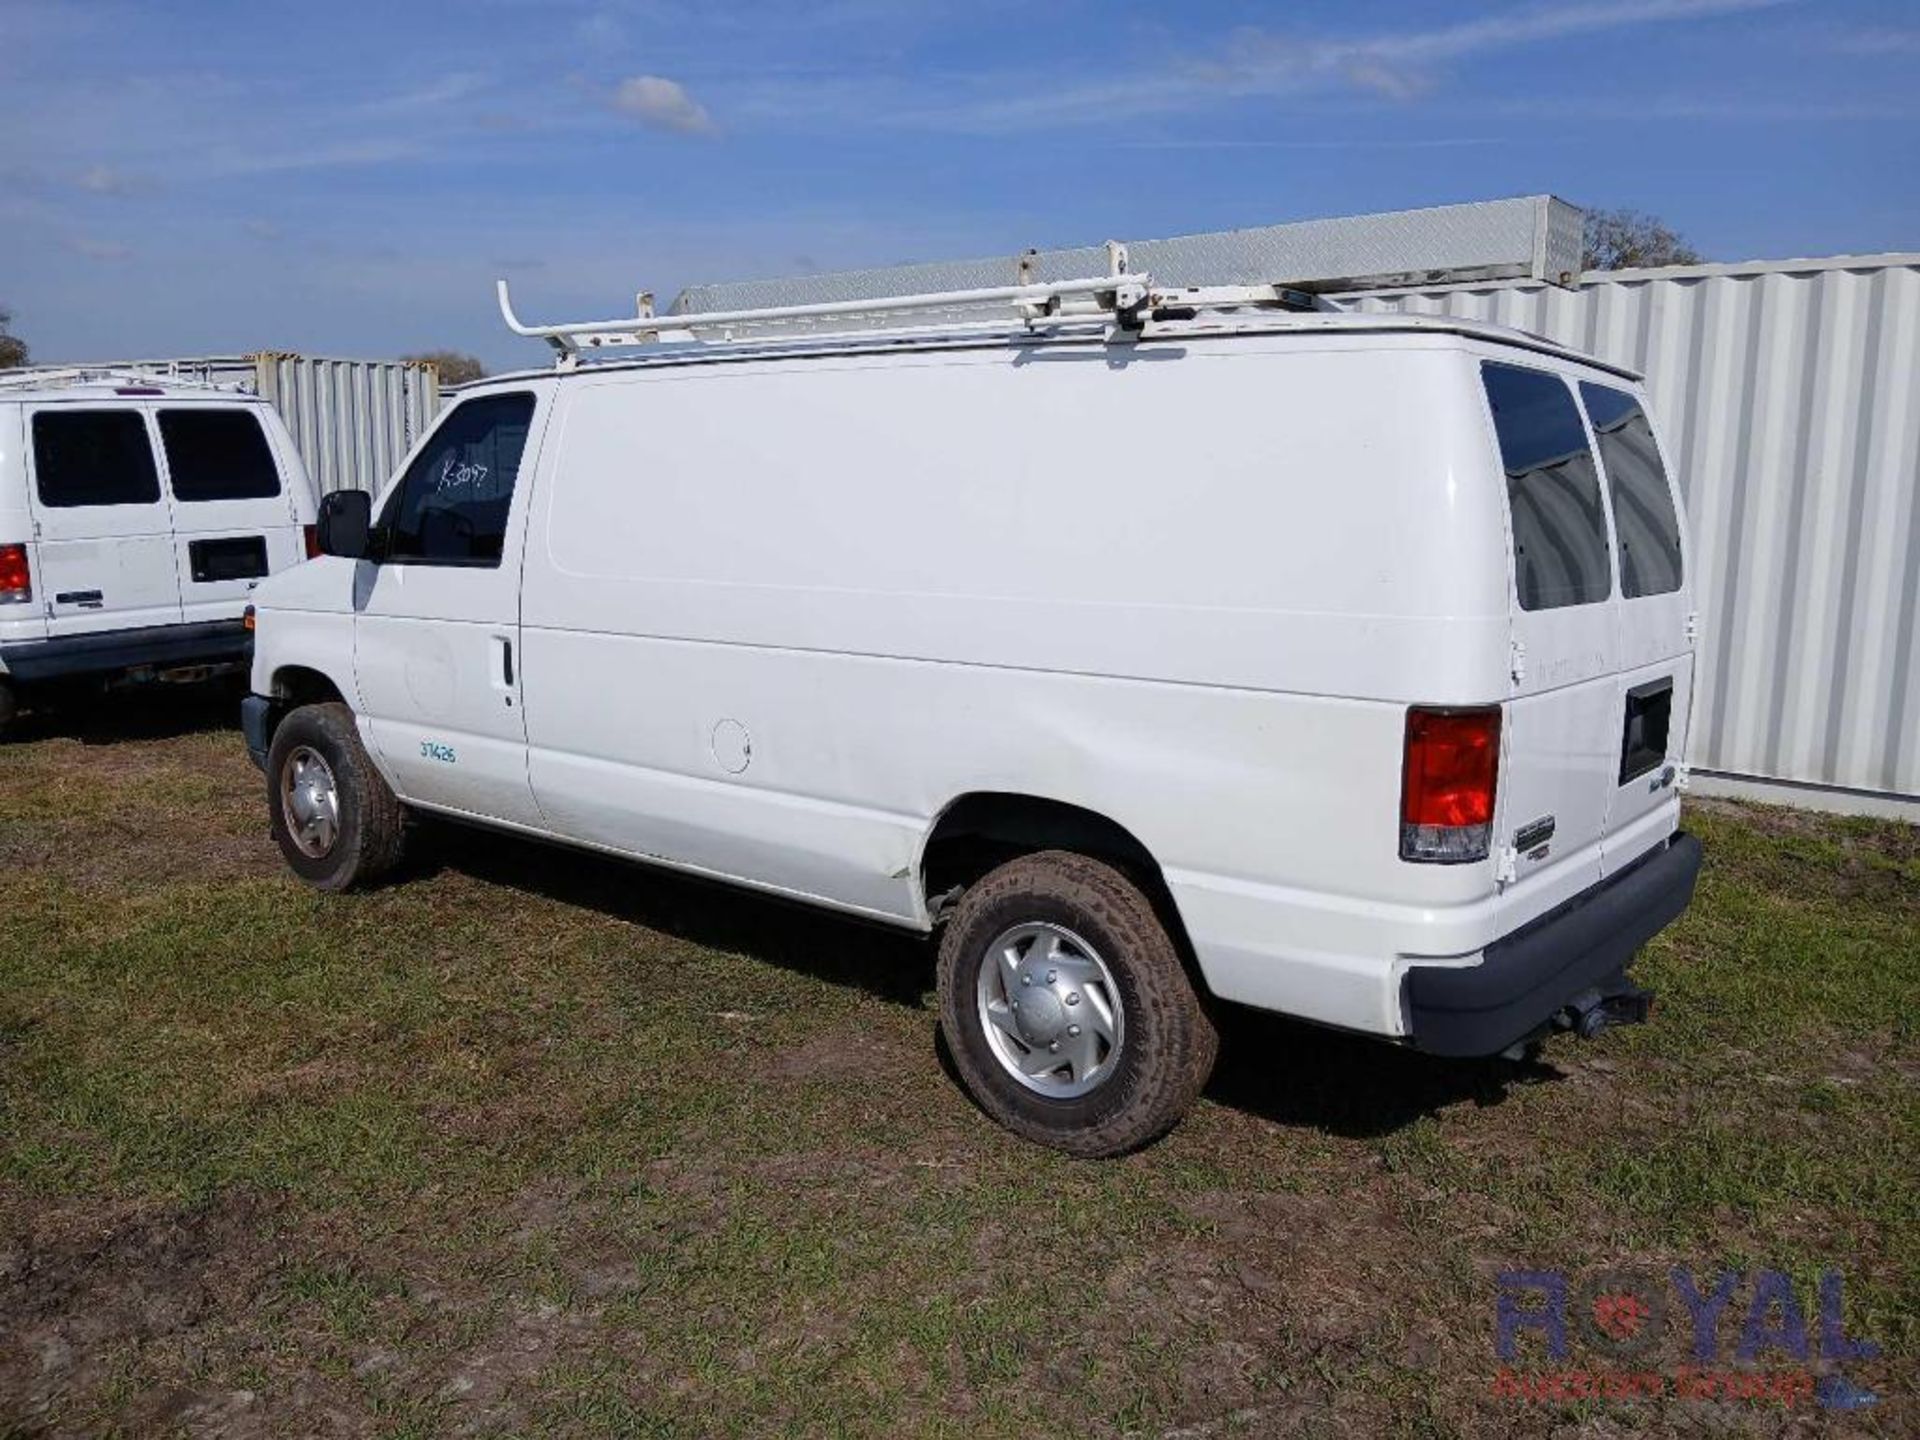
(1788, 395)
(352, 420)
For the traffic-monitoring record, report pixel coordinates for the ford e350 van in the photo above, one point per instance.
(1334, 665)
(136, 516)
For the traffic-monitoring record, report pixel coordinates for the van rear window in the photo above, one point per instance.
(93, 457)
(1643, 514)
(1553, 490)
(217, 455)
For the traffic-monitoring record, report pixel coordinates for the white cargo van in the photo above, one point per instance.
(1335, 665)
(136, 516)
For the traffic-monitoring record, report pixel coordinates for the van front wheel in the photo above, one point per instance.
(331, 813)
(1066, 1008)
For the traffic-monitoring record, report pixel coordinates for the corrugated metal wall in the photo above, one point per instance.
(1788, 397)
(351, 420)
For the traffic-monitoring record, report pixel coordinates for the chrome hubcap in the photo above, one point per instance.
(1051, 1010)
(309, 801)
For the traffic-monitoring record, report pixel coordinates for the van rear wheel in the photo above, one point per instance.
(1066, 1008)
(333, 816)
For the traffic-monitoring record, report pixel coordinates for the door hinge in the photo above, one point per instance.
(1506, 865)
(1682, 776)
(1693, 626)
(1518, 660)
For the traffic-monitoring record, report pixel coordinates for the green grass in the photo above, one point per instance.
(538, 1144)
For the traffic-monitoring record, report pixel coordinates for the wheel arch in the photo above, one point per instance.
(976, 832)
(303, 685)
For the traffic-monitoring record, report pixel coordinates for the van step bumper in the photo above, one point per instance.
(204, 643)
(1563, 970)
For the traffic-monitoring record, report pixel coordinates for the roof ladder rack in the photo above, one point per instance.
(1120, 291)
(50, 377)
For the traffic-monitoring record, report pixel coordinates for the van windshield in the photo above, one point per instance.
(1553, 490)
(1643, 513)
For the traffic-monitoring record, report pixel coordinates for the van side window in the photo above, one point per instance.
(1553, 490)
(451, 507)
(217, 455)
(93, 457)
(1643, 513)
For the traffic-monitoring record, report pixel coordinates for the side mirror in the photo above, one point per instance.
(346, 524)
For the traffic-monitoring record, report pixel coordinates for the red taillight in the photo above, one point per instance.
(16, 580)
(1447, 785)
(311, 533)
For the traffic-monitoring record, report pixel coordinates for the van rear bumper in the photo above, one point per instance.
(205, 643)
(1527, 978)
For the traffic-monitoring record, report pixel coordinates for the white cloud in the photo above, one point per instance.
(1399, 65)
(98, 249)
(664, 104)
(1879, 40)
(105, 180)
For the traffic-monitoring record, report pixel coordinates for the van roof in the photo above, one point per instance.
(1206, 324)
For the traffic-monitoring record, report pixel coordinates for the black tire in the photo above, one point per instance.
(1168, 1043)
(371, 830)
(9, 707)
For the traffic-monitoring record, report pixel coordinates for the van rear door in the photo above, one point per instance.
(105, 531)
(234, 521)
(1561, 748)
(1653, 615)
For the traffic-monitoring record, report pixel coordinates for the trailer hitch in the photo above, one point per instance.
(1592, 1012)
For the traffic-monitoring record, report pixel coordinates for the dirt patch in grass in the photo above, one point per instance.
(92, 1294)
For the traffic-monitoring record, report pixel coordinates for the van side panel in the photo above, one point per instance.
(776, 617)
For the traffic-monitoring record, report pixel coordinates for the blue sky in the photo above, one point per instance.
(199, 177)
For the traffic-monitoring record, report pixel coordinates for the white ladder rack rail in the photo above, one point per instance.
(1119, 290)
(54, 377)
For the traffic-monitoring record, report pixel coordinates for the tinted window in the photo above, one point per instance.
(217, 455)
(451, 508)
(1643, 515)
(93, 457)
(1553, 490)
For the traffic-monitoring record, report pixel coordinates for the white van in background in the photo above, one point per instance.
(136, 516)
(1336, 665)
